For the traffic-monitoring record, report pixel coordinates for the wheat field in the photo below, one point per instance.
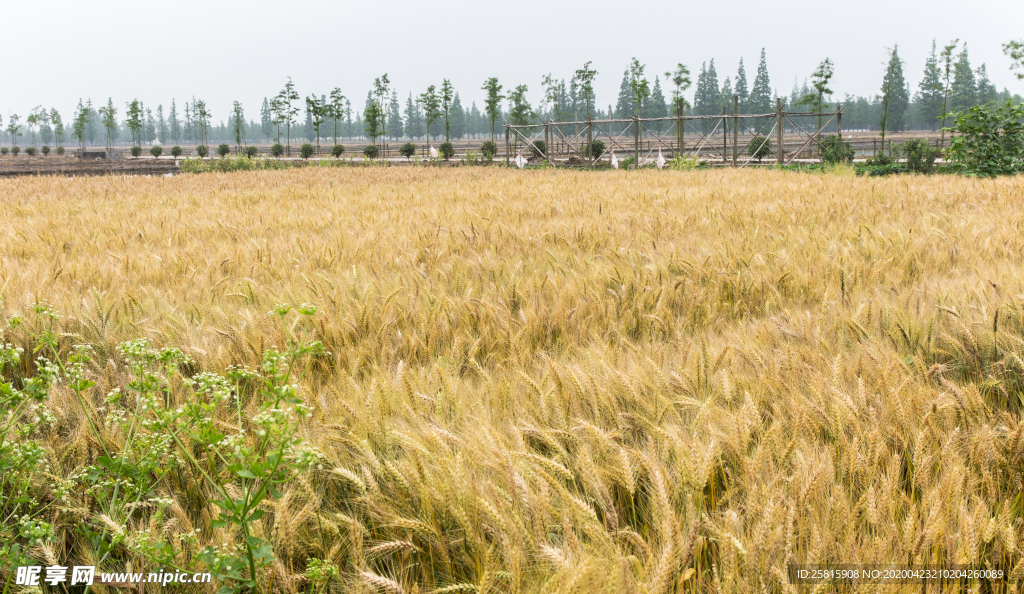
(544, 381)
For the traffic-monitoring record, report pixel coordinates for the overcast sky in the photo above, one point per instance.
(222, 51)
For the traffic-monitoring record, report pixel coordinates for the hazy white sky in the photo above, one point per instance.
(222, 51)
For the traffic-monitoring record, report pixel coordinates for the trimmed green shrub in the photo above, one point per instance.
(31, 151)
(759, 147)
(594, 149)
(136, 151)
(306, 151)
(4, 150)
(446, 150)
(46, 149)
(223, 150)
(156, 151)
(489, 149)
(277, 150)
(60, 150)
(407, 150)
(202, 150)
(175, 151)
(15, 150)
(920, 155)
(371, 151)
(251, 151)
(539, 148)
(836, 150)
(337, 151)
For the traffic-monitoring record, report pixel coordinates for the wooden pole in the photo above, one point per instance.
(590, 141)
(636, 142)
(780, 151)
(682, 126)
(735, 127)
(839, 123)
(725, 138)
(508, 149)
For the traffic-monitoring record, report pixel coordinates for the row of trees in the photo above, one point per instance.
(949, 84)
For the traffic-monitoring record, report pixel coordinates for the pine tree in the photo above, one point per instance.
(655, 106)
(986, 90)
(458, 118)
(714, 92)
(624, 105)
(413, 119)
(173, 125)
(895, 96)
(161, 125)
(395, 125)
(929, 95)
(741, 87)
(963, 93)
(761, 93)
(476, 124)
(726, 95)
(700, 93)
(266, 120)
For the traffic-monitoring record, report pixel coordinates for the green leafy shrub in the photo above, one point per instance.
(759, 147)
(446, 150)
(407, 150)
(15, 150)
(337, 151)
(489, 149)
(371, 151)
(228, 164)
(175, 151)
(202, 150)
(46, 149)
(594, 150)
(223, 150)
(251, 151)
(136, 151)
(4, 150)
(156, 151)
(879, 160)
(539, 148)
(836, 150)
(60, 150)
(988, 140)
(920, 155)
(306, 151)
(31, 151)
(277, 150)
(683, 163)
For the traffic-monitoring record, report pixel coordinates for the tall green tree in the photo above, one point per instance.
(413, 119)
(741, 89)
(173, 124)
(820, 80)
(32, 121)
(986, 90)
(895, 95)
(431, 104)
(446, 96)
(373, 116)
(964, 91)
(202, 119)
(13, 128)
(287, 112)
(109, 114)
(133, 120)
(680, 77)
(947, 71)
(458, 117)
(395, 116)
(624, 102)
(81, 123)
(929, 94)
(761, 93)
(58, 127)
(238, 114)
(315, 109)
(266, 119)
(638, 86)
(519, 108)
(492, 104)
(382, 90)
(584, 78)
(337, 107)
(161, 125)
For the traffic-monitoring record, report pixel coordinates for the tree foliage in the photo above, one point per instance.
(988, 140)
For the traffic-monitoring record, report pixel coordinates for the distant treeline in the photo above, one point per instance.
(949, 84)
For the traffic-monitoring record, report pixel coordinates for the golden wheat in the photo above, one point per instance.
(576, 382)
